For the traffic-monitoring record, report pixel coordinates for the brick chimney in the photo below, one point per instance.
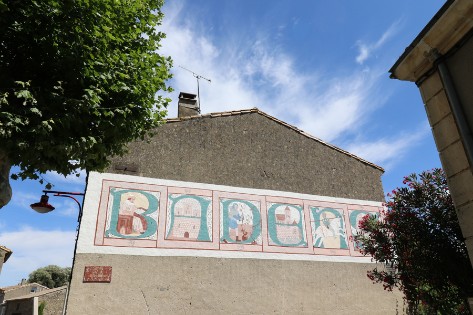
(187, 105)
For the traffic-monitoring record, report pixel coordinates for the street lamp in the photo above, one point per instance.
(44, 207)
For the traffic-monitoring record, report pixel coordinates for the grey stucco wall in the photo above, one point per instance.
(251, 150)
(184, 285)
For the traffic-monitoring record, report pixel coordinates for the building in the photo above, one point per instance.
(5, 253)
(50, 301)
(439, 62)
(260, 190)
(15, 291)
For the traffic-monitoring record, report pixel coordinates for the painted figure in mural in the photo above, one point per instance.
(130, 219)
(235, 220)
(327, 234)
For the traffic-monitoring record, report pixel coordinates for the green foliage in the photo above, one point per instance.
(41, 307)
(78, 80)
(419, 240)
(51, 276)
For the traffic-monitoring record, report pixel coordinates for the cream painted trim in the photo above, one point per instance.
(167, 252)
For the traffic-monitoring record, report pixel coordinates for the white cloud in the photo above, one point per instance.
(67, 208)
(55, 177)
(260, 75)
(388, 151)
(33, 248)
(366, 49)
(23, 199)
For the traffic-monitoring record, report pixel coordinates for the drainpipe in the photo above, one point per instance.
(455, 105)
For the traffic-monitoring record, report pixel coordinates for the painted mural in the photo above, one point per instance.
(189, 218)
(240, 222)
(133, 215)
(328, 228)
(158, 216)
(355, 218)
(286, 226)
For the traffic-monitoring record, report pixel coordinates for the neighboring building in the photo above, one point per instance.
(50, 300)
(15, 291)
(440, 62)
(244, 214)
(5, 253)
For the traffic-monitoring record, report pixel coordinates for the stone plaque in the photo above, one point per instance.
(98, 274)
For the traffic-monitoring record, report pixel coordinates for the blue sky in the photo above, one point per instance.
(319, 65)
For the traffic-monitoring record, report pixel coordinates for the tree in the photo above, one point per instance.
(51, 276)
(78, 80)
(419, 240)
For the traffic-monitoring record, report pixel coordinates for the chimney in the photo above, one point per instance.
(187, 105)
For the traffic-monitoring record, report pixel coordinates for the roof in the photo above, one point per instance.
(39, 293)
(257, 111)
(7, 254)
(449, 30)
(14, 287)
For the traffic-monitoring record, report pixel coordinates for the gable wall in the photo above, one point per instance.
(252, 151)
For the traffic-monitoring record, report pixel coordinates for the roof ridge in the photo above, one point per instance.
(296, 129)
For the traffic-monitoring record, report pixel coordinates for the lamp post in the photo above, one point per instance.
(44, 207)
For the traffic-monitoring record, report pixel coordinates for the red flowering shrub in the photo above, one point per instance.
(418, 242)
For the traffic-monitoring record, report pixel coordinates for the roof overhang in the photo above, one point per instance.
(452, 23)
(7, 251)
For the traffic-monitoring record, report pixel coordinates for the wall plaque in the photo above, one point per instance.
(98, 274)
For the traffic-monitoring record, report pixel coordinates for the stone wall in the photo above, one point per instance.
(54, 302)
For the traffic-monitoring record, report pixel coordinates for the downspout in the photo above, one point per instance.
(455, 106)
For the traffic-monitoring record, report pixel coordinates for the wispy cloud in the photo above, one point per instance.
(56, 178)
(23, 199)
(365, 50)
(259, 75)
(388, 151)
(66, 208)
(33, 248)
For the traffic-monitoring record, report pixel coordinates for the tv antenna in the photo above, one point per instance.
(198, 77)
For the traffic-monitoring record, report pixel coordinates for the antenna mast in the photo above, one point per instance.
(198, 77)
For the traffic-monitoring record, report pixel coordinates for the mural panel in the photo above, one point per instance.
(240, 222)
(355, 217)
(286, 225)
(132, 214)
(328, 228)
(189, 218)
